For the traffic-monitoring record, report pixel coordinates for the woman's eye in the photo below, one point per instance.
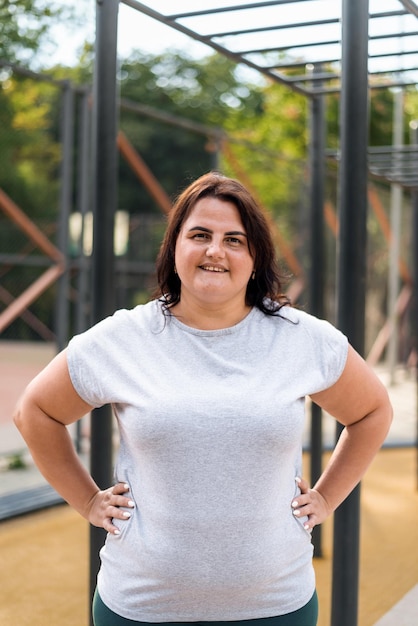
(200, 236)
(234, 241)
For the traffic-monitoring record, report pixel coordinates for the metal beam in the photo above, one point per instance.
(62, 312)
(329, 42)
(264, 29)
(296, 64)
(146, 10)
(317, 271)
(351, 277)
(414, 308)
(143, 172)
(104, 203)
(227, 9)
(410, 6)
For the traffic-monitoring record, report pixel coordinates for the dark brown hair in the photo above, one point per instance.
(265, 290)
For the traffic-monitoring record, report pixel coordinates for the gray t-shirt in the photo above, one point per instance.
(211, 429)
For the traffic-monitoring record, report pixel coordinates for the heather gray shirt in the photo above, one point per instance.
(210, 428)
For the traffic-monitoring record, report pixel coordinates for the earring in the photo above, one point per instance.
(175, 270)
(253, 275)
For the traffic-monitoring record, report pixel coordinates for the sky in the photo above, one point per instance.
(137, 31)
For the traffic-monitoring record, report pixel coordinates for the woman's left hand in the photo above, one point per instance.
(108, 505)
(311, 504)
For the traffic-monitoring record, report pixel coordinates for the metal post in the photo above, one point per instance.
(67, 130)
(351, 275)
(414, 316)
(104, 204)
(317, 272)
(83, 200)
(394, 244)
(83, 178)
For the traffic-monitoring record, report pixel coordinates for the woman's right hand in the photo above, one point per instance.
(107, 505)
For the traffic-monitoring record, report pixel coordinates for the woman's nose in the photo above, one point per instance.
(215, 249)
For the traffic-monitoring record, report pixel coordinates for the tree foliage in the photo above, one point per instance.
(199, 90)
(25, 24)
(30, 153)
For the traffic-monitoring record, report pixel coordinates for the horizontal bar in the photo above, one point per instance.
(263, 29)
(228, 9)
(398, 13)
(313, 77)
(336, 60)
(329, 42)
(169, 118)
(328, 90)
(308, 44)
(62, 84)
(391, 149)
(26, 260)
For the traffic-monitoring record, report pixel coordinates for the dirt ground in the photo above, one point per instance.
(44, 556)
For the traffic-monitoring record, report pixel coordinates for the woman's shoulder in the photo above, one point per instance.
(143, 316)
(141, 313)
(303, 322)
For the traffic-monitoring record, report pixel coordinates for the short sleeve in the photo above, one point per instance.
(93, 360)
(329, 353)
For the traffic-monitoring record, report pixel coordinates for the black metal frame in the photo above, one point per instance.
(346, 73)
(278, 72)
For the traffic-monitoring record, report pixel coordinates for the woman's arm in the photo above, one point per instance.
(360, 402)
(48, 405)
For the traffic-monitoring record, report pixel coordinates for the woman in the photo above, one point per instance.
(209, 519)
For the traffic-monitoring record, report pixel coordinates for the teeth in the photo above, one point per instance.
(213, 269)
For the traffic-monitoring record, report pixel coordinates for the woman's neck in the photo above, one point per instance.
(209, 317)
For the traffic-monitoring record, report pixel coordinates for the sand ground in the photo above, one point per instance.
(45, 569)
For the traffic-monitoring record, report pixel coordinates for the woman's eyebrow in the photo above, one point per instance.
(208, 230)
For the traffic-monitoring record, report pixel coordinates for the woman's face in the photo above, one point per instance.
(212, 255)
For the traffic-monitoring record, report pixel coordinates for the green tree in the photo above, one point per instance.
(203, 90)
(277, 134)
(30, 154)
(24, 26)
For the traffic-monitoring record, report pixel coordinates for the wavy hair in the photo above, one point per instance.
(264, 291)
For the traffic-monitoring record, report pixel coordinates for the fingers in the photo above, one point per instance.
(300, 510)
(309, 503)
(118, 502)
(117, 499)
(120, 488)
(111, 504)
(302, 484)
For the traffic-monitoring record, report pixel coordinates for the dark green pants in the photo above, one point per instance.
(306, 616)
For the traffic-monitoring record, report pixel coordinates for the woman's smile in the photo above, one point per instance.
(213, 268)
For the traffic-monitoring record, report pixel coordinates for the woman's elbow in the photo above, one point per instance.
(25, 412)
(20, 413)
(386, 412)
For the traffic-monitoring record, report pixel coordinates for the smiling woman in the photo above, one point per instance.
(218, 219)
(209, 519)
